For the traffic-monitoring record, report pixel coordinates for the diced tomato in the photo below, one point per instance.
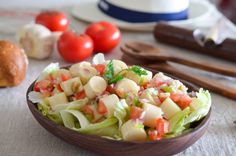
(158, 83)
(167, 126)
(46, 92)
(50, 77)
(102, 109)
(87, 110)
(175, 97)
(110, 89)
(135, 112)
(100, 68)
(153, 135)
(145, 85)
(160, 126)
(44, 84)
(183, 100)
(162, 96)
(64, 77)
(58, 86)
(36, 87)
(80, 95)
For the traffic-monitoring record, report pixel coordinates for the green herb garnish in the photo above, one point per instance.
(109, 73)
(115, 79)
(138, 70)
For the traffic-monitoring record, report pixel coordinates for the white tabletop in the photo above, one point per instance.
(21, 135)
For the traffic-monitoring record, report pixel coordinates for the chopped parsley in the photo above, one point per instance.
(111, 78)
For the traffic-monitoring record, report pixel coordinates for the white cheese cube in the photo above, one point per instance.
(95, 86)
(133, 131)
(84, 70)
(72, 86)
(152, 113)
(169, 108)
(125, 86)
(57, 99)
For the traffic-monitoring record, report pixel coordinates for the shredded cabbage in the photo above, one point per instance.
(92, 128)
(200, 106)
(70, 117)
(121, 111)
(36, 97)
(49, 69)
(177, 121)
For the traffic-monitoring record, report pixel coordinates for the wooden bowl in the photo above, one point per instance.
(109, 147)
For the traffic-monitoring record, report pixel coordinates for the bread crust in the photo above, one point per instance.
(13, 64)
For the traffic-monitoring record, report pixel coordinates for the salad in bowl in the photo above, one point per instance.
(110, 99)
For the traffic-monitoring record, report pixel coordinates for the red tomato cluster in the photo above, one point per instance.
(99, 37)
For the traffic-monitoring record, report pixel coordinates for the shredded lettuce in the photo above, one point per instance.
(78, 104)
(121, 111)
(200, 106)
(36, 97)
(177, 121)
(92, 128)
(70, 119)
(49, 69)
(111, 131)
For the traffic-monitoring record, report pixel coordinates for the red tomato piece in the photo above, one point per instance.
(80, 95)
(87, 110)
(58, 86)
(44, 84)
(101, 68)
(110, 89)
(102, 109)
(153, 135)
(135, 112)
(64, 77)
(183, 100)
(175, 97)
(73, 47)
(53, 20)
(36, 87)
(105, 35)
(162, 96)
(160, 126)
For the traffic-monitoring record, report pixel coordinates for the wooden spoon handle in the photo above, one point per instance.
(204, 66)
(211, 85)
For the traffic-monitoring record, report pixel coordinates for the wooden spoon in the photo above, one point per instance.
(148, 52)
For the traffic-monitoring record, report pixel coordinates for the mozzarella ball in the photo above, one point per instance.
(72, 86)
(110, 102)
(95, 86)
(84, 70)
(125, 86)
(118, 65)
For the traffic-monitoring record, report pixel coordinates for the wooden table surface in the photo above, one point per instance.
(21, 135)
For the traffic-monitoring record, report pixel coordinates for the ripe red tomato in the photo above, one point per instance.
(53, 20)
(105, 35)
(73, 47)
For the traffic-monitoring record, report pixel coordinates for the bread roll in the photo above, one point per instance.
(13, 64)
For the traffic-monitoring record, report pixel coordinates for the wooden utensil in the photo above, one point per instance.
(107, 147)
(184, 38)
(162, 65)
